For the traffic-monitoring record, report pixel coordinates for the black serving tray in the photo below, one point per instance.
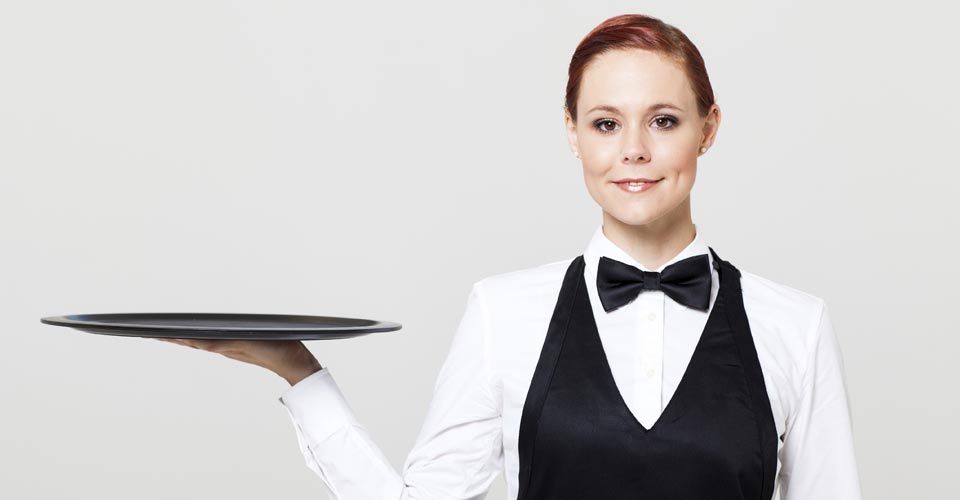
(224, 326)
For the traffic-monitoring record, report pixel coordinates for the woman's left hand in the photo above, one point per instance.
(289, 359)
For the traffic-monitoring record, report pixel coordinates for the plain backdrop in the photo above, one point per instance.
(374, 159)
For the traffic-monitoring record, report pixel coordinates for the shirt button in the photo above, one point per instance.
(652, 316)
(651, 372)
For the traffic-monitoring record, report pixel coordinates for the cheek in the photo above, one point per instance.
(595, 178)
(685, 164)
(677, 158)
(599, 150)
(595, 158)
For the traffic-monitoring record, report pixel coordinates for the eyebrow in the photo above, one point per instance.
(613, 109)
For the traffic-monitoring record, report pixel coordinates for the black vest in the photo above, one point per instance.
(715, 440)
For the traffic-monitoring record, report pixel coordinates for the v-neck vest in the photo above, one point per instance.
(716, 439)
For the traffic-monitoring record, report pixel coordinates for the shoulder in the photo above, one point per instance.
(782, 317)
(527, 287)
(777, 298)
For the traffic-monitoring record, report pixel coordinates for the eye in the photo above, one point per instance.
(665, 119)
(601, 126)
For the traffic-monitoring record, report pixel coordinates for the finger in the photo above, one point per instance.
(184, 342)
(203, 344)
(212, 345)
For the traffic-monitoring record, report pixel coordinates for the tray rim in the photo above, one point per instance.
(68, 321)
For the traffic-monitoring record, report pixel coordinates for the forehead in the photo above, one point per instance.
(633, 77)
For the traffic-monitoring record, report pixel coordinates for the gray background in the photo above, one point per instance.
(373, 159)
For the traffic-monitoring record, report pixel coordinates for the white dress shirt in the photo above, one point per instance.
(470, 432)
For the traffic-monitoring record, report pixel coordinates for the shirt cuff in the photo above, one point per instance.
(317, 406)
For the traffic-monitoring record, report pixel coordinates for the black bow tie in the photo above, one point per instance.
(686, 281)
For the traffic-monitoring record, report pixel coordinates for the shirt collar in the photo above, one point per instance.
(601, 246)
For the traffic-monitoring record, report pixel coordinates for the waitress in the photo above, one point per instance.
(647, 367)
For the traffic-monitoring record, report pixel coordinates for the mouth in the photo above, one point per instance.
(636, 185)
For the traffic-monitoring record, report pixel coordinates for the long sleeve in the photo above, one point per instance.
(818, 459)
(459, 450)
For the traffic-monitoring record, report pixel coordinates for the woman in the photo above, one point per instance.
(647, 367)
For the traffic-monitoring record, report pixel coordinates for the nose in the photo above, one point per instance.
(634, 148)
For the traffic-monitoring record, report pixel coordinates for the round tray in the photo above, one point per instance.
(224, 326)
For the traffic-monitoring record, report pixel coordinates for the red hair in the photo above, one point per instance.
(636, 31)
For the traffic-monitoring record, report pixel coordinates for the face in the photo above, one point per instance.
(637, 119)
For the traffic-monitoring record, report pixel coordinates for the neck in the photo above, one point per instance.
(654, 243)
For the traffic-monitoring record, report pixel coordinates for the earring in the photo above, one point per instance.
(576, 153)
(703, 150)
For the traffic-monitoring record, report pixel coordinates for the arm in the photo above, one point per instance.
(458, 452)
(817, 457)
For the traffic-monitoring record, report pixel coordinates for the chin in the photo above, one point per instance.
(634, 218)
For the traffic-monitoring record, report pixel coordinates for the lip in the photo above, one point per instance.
(636, 179)
(647, 185)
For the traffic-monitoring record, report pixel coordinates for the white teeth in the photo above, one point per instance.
(633, 186)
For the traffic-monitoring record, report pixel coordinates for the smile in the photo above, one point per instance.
(636, 187)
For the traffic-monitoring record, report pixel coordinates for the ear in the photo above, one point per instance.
(571, 127)
(710, 126)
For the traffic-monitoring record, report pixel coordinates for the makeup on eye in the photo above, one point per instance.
(599, 124)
